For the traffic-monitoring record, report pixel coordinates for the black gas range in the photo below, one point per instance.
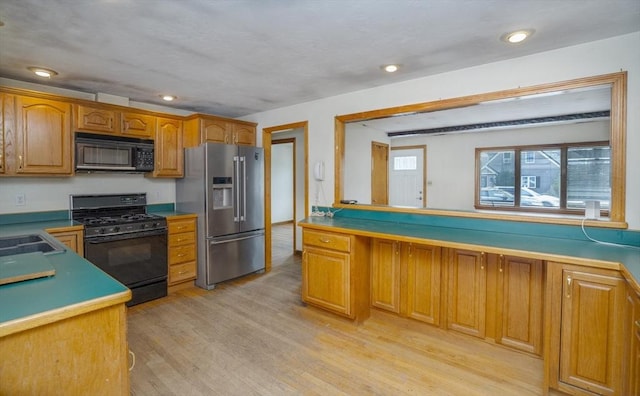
(125, 241)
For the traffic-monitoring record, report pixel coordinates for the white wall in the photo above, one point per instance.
(357, 164)
(44, 194)
(282, 183)
(599, 57)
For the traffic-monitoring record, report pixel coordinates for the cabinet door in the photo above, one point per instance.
(244, 134)
(216, 131)
(591, 332)
(385, 275)
(3, 131)
(519, 304)
(326, 280)
(96, 120)
(423, 283)
(632, 336)
(138, 125)
(168, 148)
(467, 292)
(43, 130)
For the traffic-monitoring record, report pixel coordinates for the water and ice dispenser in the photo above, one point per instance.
(222, 192)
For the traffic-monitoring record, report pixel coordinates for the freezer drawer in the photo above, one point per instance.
(232, 256)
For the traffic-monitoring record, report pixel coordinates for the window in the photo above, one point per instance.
(529, 157)
(405, 163)
(529, 181)
(558, 178)
(506, 158)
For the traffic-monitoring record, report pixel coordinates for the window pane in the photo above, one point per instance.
(540, 180)
(497, 177)
(588, 176)
(405, 163)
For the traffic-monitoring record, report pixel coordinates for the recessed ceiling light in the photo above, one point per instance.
(517, 36)
(168, 98)
(390, 68)
(42, 72)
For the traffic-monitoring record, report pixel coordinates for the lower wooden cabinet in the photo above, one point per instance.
(182, 250)
(405, 279)
(586, 319)
(519, 303)
(72, 237)
(632, 339)
(497, 297)
(335, 273)
(467, 292)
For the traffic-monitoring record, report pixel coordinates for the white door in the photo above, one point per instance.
(406, 177)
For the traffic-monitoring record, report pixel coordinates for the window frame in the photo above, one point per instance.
(517, 150)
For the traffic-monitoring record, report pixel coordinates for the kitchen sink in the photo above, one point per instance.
(31, 243)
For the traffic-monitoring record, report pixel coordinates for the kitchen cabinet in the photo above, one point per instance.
(86, 354)
(138, 125)
(202, 128)
(111, 120)
(72, 237)
(467, 292)
(497, 297)
(519, 303)
(632, 337)
(585, 320)
(405, 279)
(94, 119)
(182, 250)
(169, 153)
(36, 137)
(335, 273)
(385, 274)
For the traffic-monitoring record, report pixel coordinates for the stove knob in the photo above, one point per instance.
(143, 226)
(116, 229)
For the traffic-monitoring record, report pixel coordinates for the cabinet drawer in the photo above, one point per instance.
(181, 226)
(180, 254)
(181, 272)
(327, 240)
(183, 238)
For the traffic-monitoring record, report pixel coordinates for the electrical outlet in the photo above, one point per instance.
(21, 199)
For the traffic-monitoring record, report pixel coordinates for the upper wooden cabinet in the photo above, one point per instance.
(96, 120)
(104, 119)
(138, 125)
(202, 128)
(169, 151)
(3, 156)
(37, 136)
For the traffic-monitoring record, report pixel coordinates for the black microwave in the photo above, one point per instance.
(105, 153)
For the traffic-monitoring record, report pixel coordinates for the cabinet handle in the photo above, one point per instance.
(133, 360)
(396, 245)
(569, 286)
(19, 162)
(482, 261)
(410, 246)
(182, 272)
(637, 322)
(325, 240)
(0, 160)
(500, 262)
(181, 255)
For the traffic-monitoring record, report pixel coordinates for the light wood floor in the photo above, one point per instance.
(255, 337)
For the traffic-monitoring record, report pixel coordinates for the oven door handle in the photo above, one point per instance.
(121, 237)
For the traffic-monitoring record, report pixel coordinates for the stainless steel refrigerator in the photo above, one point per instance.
(224, 185)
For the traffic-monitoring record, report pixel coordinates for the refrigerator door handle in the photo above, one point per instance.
(236, 179)
(244, 189)
(234, 239)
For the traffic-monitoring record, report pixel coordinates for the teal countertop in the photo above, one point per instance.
(76, 282)
(569, 250)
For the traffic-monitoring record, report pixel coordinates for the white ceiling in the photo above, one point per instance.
(234, 58)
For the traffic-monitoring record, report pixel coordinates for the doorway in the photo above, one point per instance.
(295, 137)
(283, 198)
(379, 173)
(407, 176)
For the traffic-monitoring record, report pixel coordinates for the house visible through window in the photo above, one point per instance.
(559, 178)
